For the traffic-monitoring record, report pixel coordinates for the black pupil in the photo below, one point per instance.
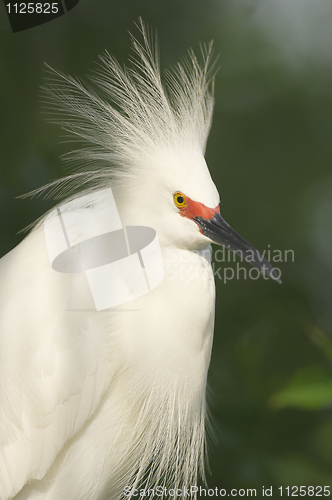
(180, 200)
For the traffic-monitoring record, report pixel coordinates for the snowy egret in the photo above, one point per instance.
(96, 401)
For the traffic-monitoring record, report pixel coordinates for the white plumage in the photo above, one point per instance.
(92, 401)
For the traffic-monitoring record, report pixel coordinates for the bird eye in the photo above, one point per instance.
(179, 199)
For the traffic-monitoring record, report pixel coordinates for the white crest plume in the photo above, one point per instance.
(146, 115)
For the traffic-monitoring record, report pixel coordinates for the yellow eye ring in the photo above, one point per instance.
(179, 199)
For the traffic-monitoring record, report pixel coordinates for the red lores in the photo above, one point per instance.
(196, 209)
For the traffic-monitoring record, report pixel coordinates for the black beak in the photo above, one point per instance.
(222, 233)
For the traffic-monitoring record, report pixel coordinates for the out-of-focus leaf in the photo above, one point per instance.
(310, 389)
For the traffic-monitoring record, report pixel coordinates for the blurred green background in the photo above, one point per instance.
(270, 154)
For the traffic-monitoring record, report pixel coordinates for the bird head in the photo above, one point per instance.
(146, 139)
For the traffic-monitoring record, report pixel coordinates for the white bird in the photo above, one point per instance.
(95, 401)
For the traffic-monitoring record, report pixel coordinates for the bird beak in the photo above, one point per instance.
(222, 233)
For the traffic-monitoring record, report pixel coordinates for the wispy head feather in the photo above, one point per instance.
(126, 115)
